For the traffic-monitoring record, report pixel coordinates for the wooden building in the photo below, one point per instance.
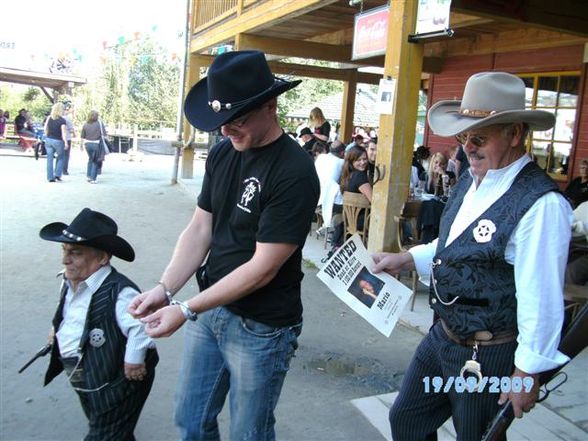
(544, 42)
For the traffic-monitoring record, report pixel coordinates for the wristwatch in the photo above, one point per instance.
(188, 313)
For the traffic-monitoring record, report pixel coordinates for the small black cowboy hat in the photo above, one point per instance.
(91, 229)
(305, 131)
(237, 82)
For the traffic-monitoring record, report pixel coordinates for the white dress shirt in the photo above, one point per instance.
(538, 249)
(75, 310)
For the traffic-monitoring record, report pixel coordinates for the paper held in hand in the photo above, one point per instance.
(378, 298)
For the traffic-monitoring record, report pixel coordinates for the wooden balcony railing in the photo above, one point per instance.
(206, 13)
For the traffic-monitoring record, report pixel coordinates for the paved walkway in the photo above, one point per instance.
(335, 341)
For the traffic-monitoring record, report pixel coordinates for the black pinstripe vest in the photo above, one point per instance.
(102, 365)
(475, 269)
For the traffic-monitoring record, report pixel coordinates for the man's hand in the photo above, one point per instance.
(522, 401)
(147, 302)
(164, 322)
(135, 372)
(392, 263)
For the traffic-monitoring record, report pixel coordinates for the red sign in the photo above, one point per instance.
(370, 33)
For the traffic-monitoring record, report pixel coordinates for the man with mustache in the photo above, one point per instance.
(496, 271)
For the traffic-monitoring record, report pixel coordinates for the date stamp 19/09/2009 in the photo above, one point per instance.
(494, 385)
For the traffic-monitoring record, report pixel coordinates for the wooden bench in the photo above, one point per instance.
(24, 141)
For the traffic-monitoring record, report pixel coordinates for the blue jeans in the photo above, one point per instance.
(92, 169)
(54, 146)
(66, 154)
(222, 352)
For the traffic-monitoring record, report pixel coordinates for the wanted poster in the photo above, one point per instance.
(378, 298)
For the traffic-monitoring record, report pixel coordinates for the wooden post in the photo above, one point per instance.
(348, 108)
(403, 63)
(188, 152)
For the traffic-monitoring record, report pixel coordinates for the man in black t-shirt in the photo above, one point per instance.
(258, 197)
(20, 125)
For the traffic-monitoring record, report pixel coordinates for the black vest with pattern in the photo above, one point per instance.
(103, 364)
(476, 270)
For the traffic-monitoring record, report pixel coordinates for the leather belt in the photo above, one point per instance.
(482, 338)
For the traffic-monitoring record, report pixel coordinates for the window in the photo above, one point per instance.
(556, 93)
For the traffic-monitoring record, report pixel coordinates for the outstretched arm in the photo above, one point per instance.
(191, 249)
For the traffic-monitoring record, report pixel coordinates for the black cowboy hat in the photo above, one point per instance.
(237, 82)
(91, 229)
(305, 131)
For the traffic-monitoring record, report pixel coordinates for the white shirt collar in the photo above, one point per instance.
(94, 281)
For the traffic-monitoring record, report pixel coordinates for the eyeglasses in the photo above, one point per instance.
(240, 122)
(475, 140)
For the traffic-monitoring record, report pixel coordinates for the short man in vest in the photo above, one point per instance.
(496, 271)
(107, 356)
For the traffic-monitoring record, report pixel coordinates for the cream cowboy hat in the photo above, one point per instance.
(488, 98)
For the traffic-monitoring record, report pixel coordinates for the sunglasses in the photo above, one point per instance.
(475, 140)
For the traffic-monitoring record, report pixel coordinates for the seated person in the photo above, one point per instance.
(577, 268)
(577, 190)
(308, 139)
(354, 179)
(20, 125)
(437, 179)
(319, 148)
(109, 359)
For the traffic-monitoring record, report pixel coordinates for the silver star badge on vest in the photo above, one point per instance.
(484, 230)
(97, 337)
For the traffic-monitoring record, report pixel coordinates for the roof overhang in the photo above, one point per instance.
(40, 79)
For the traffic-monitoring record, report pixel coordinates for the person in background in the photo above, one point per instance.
(90, 138)
(319, 148)
(461, 161)
(577, 189)
(20, 125)
(496, 271)
(258, 197)
(328, 168)
(577, 267)
(320, 126)
(308, 139)
(354, 176)
(71, 133)
(3, 121)
(55, 142)
(109, 360)
(354, 179)
(358, 141)
(438, 179)
(372, 149)
(417, 158)
(451, 163)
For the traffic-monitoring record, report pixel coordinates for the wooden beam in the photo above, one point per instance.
(396, 134)
(194, 65)
(570, 16)
(348, 109)
(300, 49)
(304, 70)
(266, 14)
(507, 41)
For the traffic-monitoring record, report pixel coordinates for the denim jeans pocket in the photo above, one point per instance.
(259, 329)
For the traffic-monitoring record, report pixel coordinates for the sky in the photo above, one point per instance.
(82, 29)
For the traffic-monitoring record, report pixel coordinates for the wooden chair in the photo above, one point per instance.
(410, 213)
(353, 205)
